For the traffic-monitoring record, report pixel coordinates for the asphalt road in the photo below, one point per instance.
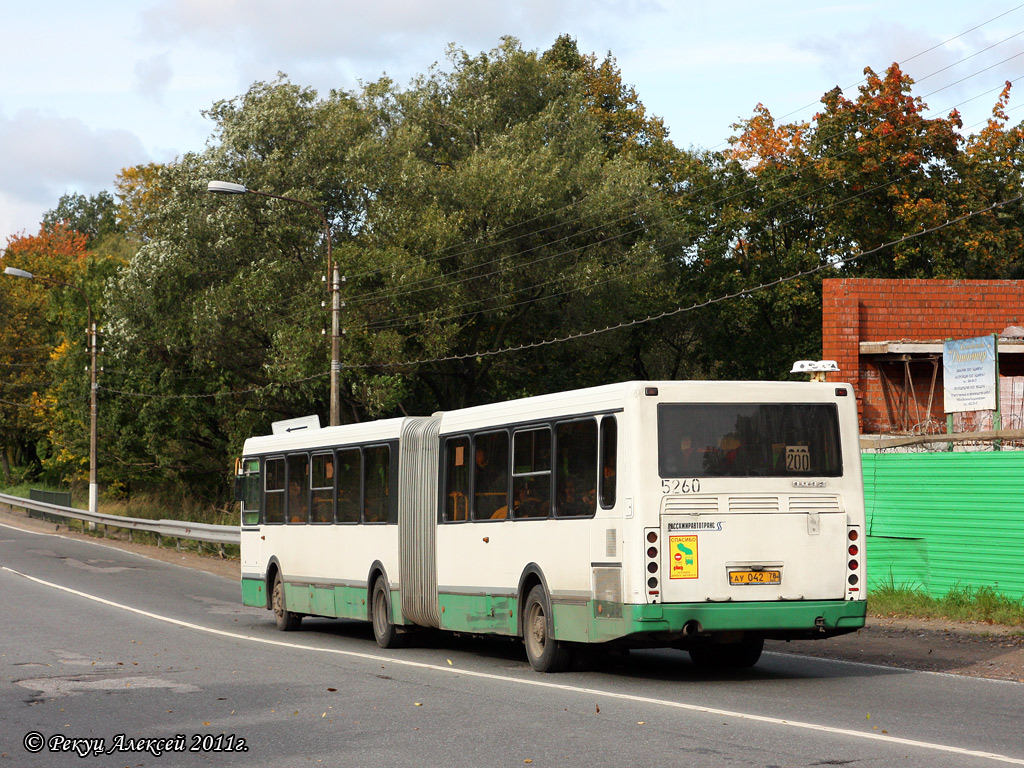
(135, 662)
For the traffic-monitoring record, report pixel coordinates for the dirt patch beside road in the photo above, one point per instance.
(934, 645)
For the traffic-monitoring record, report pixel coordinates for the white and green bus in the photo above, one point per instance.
(705, 516)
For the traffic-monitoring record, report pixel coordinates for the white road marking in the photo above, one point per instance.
(537, 683)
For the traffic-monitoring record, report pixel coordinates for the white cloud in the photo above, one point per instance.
(98, 86)
(43, 155)
(152, 76)
(363, 41)
(15, 212)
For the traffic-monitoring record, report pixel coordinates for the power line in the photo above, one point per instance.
(699, 305)
(617, 326)
(395, 322)
(915, 56)
(443, 280)
(609, 239)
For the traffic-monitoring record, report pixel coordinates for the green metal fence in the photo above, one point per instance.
(60, 498)
(942, 520)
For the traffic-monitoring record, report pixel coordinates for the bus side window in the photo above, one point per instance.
(323, 488)
(531, 473)
(576, 468)
(609, 447)
(273, 499)
(490, 476)
(350, 474)
(456, 503)
(250, 492)
(376, 485)
(298, 488)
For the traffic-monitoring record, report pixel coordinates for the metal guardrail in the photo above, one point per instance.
(178, 529)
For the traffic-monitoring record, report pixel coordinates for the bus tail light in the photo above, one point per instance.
(653, 592)
(853, 564)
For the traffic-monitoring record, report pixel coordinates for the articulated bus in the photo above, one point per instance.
(705, 516)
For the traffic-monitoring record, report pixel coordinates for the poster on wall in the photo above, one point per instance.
(969, 374)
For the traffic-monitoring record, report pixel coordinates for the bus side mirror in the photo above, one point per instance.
(239, 488)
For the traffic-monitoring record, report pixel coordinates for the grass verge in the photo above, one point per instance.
(978, 604)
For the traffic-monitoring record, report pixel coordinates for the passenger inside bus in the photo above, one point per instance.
(296, 502)
(490, 487)
(689, 461)
(570, 503)
(528, 504)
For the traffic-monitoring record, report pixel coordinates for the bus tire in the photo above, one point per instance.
(384, 632)
(286, 620)
(544, 652)
(728, 655)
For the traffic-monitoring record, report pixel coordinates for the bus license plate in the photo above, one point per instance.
(755, 577)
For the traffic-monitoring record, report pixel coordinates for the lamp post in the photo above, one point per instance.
(90, 335)
(230, 188)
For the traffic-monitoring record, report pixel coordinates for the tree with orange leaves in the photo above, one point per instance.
(866, 171)
(43, 394)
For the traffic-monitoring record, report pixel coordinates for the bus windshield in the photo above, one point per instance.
(748, 440)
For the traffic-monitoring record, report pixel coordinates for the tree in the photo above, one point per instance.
(94, 216)
(863, 173)
(140, 195)
(509, 204)
(42, 331)
(482, 208)
(992, 166)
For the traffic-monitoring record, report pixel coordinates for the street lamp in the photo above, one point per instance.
(90, 335)
(230, 188)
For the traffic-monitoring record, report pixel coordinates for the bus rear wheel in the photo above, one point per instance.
(544, 652)
(728, 655)
(384, 632)
(286, 620)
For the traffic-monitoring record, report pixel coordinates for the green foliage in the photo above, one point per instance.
(499, 202)
(485, 207)
(94, 216)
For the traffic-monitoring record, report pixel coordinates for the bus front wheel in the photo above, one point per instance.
(286, 620)
(544, 652)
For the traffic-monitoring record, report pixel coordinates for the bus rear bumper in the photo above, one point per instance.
(777, 620)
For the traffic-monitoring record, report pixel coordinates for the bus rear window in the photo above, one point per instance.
(748, 440)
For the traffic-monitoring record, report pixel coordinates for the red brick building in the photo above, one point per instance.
(886, 336)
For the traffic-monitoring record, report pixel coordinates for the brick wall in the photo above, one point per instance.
(856, 310)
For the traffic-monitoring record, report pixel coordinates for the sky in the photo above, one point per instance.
(89, 88)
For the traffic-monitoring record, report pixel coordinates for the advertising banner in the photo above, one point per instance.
(969, 374)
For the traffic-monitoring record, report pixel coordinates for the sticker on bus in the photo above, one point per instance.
(683, 554)
(798, 458)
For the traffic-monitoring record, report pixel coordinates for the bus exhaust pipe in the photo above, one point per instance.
(691, 628)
